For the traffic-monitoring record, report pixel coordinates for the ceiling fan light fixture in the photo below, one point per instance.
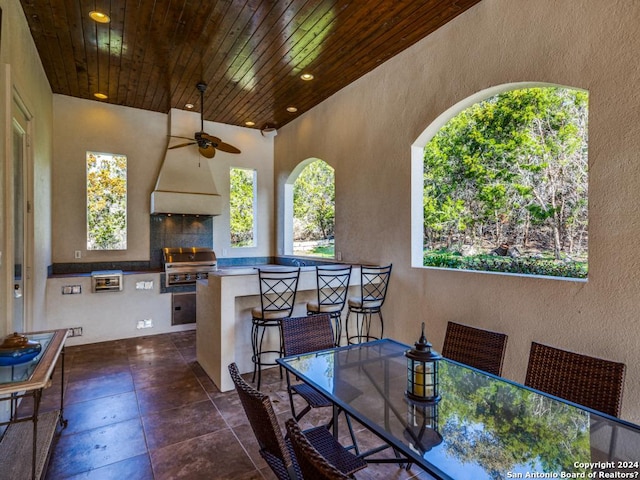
(307, 76)
(99, 17)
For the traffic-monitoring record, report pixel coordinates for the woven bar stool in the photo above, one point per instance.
(333, 284)
(373, 291)
(278, 290)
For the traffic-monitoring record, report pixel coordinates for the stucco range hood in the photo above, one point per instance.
(185, 183)
(185, 203)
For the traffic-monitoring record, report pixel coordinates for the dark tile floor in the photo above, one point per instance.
(143, 408)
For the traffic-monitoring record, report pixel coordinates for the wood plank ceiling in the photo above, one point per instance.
(251, 53)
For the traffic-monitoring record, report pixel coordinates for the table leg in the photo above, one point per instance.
(63, 421)
(37, 395)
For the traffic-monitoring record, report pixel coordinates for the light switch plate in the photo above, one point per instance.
(71, 289)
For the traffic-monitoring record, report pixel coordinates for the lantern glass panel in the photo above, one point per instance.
(421, 379)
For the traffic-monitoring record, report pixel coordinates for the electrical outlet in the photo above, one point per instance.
(146, 323)
(75, 332)
(144, 285)
(339, 256)
(78, 254)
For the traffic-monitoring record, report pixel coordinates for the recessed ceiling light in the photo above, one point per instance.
(101, 96)
(99, 17)
(292, 109)
(306, 76)
(250, 123)
(188, 106)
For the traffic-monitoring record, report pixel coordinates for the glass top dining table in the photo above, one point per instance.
(483, 427)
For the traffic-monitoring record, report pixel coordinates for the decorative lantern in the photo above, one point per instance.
(422, 371)
(422, 426)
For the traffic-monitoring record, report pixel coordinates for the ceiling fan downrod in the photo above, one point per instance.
(201, 86)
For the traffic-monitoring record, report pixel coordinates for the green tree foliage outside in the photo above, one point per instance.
(106, 201)
(241, 204)
(314, 208)
(510, 171)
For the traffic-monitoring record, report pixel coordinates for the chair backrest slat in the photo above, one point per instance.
(312, 464)
(278, 289)
(590, 381)
(333, 284)
(374, 283)
(307, 334)
(479, 348)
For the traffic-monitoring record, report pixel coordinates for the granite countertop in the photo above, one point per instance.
(88, 274)
(249, 270)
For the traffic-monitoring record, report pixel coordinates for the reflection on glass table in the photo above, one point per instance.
(483, 427)
(23, 371)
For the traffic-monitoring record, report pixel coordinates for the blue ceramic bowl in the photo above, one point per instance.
(16, 357)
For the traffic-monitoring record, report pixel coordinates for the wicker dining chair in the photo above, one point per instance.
(482, 349)
(333, 284)
(593, 382)
(312, 464)
(274, 448)
(303, 335)
(263, 421)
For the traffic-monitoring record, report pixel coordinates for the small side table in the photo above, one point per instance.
(29, 380)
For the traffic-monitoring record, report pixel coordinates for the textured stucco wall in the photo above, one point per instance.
(366, 130)
(84, 125)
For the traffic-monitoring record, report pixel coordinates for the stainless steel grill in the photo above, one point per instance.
(183, 266)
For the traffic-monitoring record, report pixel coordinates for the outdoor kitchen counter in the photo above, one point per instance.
(223, 317)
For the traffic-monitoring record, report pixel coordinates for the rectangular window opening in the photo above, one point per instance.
(106, 201)
(242, 205)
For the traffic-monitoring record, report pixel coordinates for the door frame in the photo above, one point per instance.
(13, 100)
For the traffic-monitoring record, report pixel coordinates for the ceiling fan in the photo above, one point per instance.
(207, 144)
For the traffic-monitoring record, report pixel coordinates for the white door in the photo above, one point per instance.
(21, 271)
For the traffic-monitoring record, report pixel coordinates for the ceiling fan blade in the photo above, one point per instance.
(219, 144)
(182, 145)
(178, 136)
(210, 138)
(209, 151)
(225, 147)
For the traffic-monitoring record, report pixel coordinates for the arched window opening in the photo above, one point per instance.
(310, 210)
(503, 185)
